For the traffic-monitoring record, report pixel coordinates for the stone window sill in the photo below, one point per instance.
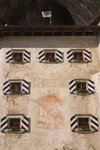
(85, 132)
(13, 62)
(20, 93)
(47, 62)
(75, 61)
(16, 93)
(16, 131)
(83, 94)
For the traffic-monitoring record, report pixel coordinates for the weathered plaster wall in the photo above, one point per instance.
(49, 94)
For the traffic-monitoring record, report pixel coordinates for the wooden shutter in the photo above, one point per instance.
(59, 56)
(72, 86)
(74, 123)
(27, 56)
(6, 87)
(25, 86)
(70, 55)
(25, 123)
(9, 56)
(4, 124)
(41, 56)
(87, 55)
(91, 87)
(94, 123)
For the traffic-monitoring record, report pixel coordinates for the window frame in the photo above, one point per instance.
(80, 51)
(89, 122)
(50, 51)
(81, 82)
(84, 81)
(77, 52)
(18, 51)
(24, 91)
(15, 81)
(14, 117)
(13, 52)
(84, 116)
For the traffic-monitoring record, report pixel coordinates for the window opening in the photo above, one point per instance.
(17, 57)
(78, 55)
(15, 87)
(14, 123)
(83, 124)
(81, 87)
(50, 56)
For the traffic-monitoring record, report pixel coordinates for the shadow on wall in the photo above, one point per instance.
(30, 14)
(50, 42)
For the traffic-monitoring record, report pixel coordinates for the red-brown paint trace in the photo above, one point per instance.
(50, 111)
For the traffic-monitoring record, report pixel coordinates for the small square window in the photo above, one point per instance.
(83, 120)
(83, 123)
(15, 87)
(78, 55)
(18, 56)
(81, 85)
(50, 56)
(14, 123)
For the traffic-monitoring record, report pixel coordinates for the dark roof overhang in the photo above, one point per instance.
(51, 30)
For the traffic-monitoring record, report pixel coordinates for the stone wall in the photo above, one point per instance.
(28, 12)
(49, 93)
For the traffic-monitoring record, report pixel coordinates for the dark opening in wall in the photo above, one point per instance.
(65, 16)
(29, 13)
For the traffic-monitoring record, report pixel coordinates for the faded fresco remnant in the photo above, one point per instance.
(50, 111)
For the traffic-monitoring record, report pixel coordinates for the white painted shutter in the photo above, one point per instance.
(41, 56)
(87, 55)
(27, 56)
(6, 87)
(25, 86)
(72, 86)
(94, 123)
(59, 56)
(74, 123)
(25, 123)
(70, 55)
(4, 124)
(91, 87)
(9, 56)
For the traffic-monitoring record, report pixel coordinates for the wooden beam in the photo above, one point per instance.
(10, 30)
(32, 33)
(21, 31)
(42, 32)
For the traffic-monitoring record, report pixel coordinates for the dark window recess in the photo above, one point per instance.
(47, 34)
(17, 34)
(78, 54)
(49, 55)
(78, 33)
(83, 120)
(14, 122)
(57, 33)
(27, 34)
(68, 33)
(81, 85)
(15, 87)
(17, 56)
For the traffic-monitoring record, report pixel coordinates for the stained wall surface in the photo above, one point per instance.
(50, 104)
